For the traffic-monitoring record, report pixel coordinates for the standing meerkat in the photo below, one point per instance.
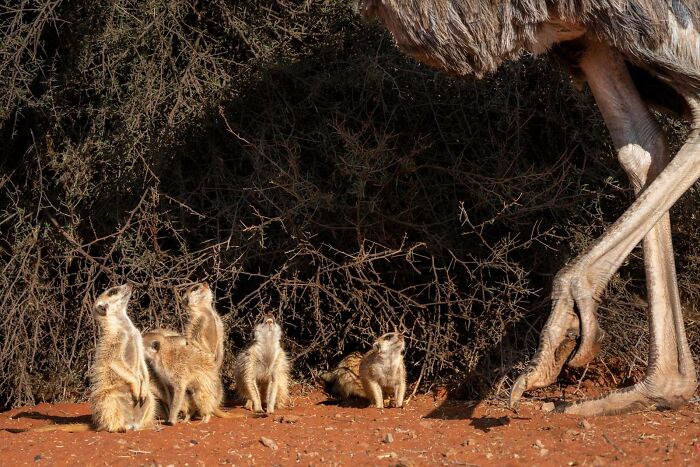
(189, 379)
(120, 392)
(382, 369)
(344, 380)
(205, 328)
(120, 386)
(263, 368)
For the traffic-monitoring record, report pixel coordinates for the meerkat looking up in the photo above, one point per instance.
(189, 379)
(205, 328)
(263, 368)
(120, 394)
(382, 369)
(344, 380)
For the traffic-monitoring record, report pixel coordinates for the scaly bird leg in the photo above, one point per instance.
(670, 379)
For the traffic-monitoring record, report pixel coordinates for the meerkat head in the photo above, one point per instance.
(159, 339)
(199, 295)
(268, 330)
(152, 342)
(390, 343)
(112, 300)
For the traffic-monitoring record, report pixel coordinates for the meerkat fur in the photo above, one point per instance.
(382, 370)
(263, 368)
(205, 328)
(120, 391)
(161, 390)
(120, 385)
(344, 380)
(189, 372)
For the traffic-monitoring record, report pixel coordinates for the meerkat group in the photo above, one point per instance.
(137, 377)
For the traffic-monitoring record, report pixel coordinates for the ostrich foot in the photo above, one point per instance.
(563, 332)
(673, 392)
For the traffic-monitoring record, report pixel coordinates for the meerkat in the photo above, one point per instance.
(120, 392)
(382, 369)
(162, 391)
(120, 385)
(188, 374)
(263, 368)
(344, 380)
(205, 328)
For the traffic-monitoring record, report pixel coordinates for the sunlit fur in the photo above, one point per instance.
(382, 370)
(189, 372)
(205, 328)
(119, 381)
(262, 370)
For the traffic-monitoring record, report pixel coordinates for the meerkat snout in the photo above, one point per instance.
(114, 298)
(199, 295)
(392, 342)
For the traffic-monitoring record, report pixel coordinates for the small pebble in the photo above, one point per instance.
(267, 442)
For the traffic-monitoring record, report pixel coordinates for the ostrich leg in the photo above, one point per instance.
(670, 379)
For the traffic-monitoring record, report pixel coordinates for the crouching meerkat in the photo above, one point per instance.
(161, 390)
(382, 370)
(205, 328)
(344, 380)
(188, 378)
(120, 385)
(263, 368)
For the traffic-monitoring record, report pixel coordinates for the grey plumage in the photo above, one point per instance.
(475, 36)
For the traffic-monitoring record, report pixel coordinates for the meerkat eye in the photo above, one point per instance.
(155, 345)
(112, 292)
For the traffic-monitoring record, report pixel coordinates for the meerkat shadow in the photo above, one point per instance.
(56, 419)
(354, 403)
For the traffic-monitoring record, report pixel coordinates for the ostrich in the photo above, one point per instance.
(633, 54)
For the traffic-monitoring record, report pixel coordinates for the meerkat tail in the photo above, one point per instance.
(217, 412)
(68, 427)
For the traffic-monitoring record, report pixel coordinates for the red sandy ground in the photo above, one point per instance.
(428, 431)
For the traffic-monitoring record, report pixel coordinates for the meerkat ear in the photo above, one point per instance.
(101, 309)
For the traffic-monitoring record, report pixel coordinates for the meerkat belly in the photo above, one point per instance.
(387, 378)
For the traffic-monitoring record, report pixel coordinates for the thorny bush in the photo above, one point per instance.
(287, 153)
